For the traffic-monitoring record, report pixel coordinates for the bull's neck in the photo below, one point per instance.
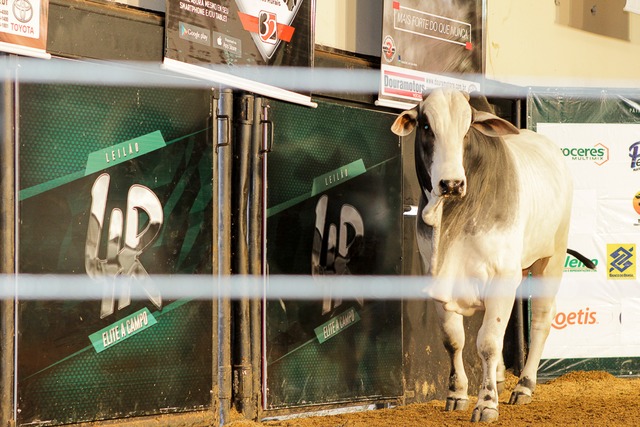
(430, 231)
(491, 200)
(424, 179)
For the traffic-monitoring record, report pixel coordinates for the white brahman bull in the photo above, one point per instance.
(495, 204)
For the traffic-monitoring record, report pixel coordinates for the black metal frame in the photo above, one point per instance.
(7, 245)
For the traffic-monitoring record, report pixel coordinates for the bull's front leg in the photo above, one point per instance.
(490, 342)
(453, 330)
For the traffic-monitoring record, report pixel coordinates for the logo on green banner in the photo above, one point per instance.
(336, 325)
(124, 151)
(337, 176)
(122, 329)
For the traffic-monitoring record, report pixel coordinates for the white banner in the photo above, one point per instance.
(599, 312)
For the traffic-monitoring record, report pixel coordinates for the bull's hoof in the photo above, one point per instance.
(518, 398)
(486, 415)
(454, 404)
(500, 386)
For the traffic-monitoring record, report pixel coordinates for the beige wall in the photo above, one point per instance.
(525, 46)
(350, 25)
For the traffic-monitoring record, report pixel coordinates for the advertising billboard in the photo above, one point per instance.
(23, 27)
(334, 209)
(216, 39)
(114, 183)
(429, 44)
(597, 311)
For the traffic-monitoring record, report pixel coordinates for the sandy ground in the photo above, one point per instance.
(575, 399)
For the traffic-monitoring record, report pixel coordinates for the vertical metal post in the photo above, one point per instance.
(517, 113)
(224, 177)
(215, 380)
(257, 227)
(264, 139)
(520, 318)
(256, 203)
(7, 246)
(242, 366)
(244, 119)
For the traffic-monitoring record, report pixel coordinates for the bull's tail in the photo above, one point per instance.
(583, 259)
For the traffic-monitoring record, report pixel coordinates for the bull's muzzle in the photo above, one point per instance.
(452, 187)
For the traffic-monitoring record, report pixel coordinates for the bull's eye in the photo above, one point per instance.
(426, 127)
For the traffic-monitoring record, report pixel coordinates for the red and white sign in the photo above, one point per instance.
(221, 40)
(405, 84)
(268, 22)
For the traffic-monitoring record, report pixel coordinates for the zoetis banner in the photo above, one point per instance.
(217, 35)
(428, 44)
(597, 319)
(23, 27)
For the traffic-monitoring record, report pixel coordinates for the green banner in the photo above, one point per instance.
(119, 180)
(121, 330)
(338, 176)
(334, 208)
(337, 324)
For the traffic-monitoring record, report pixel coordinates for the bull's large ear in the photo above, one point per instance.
(405, 122)
(492, 125)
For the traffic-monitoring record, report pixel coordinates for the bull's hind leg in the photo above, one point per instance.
(546, 273)
(453, 330)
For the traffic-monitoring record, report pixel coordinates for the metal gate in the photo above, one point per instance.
(112, 182)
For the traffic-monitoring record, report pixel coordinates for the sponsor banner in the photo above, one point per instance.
(596, 310)
(208, 38)
(157, 5)
(408, 85)
(128, 195)
(23, 27)
(334, 208)
(574, 265)
(595, 322)
(427, 45)
(602, 157)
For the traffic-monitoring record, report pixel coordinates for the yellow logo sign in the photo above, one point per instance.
(621, 261)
